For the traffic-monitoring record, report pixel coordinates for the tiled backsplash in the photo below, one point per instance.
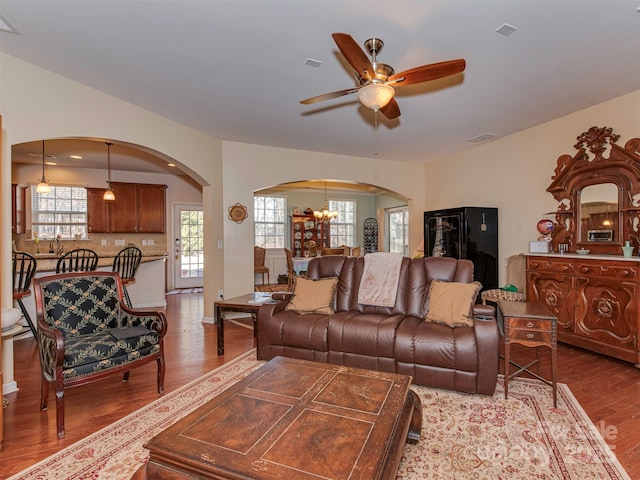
(103, 244)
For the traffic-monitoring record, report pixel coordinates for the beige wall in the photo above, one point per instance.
(248, 168)
(36, 104)
(510, 173)
(513, 173)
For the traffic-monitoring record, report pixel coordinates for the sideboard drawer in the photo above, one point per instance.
(552, 265)
(530, 324)
(629, 271)
(537, 336)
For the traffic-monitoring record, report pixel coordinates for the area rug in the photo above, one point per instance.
(184, 290)
(463, 436)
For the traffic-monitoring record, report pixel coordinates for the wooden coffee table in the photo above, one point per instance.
(294, 419)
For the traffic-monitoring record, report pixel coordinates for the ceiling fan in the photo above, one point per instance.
(376, 81)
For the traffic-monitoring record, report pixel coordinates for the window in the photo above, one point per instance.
(62, 211)
(398, 230)
(191, 244)
(343, 227)
(269, 221)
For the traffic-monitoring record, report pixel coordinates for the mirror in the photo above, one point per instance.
(598, 213)
(598, 190)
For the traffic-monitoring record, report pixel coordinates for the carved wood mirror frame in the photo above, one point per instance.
(599, 160)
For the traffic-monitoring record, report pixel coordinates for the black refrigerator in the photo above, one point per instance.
(465, 232)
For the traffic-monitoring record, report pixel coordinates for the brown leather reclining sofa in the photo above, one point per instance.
(392, 339)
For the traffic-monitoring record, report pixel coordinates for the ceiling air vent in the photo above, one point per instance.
(482, 137)
(506, 29)
(312, 63)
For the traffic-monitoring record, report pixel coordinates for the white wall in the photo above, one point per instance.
(513, 173)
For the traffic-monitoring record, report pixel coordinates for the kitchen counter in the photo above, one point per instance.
(47, 262)
(147, 292)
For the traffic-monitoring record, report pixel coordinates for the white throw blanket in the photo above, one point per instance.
(379, 285)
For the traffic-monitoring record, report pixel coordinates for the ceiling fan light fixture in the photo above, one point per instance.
(376, 95)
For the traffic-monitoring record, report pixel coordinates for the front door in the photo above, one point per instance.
(188, 246)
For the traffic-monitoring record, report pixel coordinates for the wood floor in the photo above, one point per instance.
(608, 390)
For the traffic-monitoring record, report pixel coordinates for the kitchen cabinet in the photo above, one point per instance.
(595, 300)
(97, 212)
(138, 208)
(18, 209)
(307, 234)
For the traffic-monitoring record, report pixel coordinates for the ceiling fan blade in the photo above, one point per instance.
(391, 110)
(426, 73)
(328, 96)
(354, 54)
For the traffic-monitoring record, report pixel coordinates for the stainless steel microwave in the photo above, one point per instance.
(600, 235)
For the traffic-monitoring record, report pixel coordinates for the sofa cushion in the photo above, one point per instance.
(451, 303)
(313, 296)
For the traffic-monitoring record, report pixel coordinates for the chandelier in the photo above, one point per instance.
(324, 216)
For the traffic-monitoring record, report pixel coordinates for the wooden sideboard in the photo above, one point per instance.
(595, 299)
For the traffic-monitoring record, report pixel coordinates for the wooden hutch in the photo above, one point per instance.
(307, 234)
(595, 296)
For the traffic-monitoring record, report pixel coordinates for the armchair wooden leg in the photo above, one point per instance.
(60, 412)
(44, 393)
(160, 375)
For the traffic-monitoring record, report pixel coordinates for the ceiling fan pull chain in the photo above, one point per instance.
(375, 133)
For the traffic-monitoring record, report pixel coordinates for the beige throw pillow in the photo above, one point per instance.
(451, 303)
(313, 296)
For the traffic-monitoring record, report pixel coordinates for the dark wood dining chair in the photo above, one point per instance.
(78, 260)
(126, 263)
(24, 268)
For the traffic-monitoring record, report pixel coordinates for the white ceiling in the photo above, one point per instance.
(236, 69)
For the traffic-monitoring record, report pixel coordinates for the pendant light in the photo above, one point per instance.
(43, 186)
(108, 194)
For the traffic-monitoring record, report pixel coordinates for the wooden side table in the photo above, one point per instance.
(249, 303)
(531, 325)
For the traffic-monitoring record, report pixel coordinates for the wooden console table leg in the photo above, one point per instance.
(220, 330)
(506, 369)
(554, 374)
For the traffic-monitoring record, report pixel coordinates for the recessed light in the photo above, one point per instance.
(506, 29)
(39, 155)
(76, 157)
(171, 164)
(50, 163)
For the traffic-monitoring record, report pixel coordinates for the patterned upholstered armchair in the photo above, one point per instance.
(86, 332)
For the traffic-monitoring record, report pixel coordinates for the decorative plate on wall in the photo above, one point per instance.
(238, 213)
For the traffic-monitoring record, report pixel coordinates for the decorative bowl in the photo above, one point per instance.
(582, 251)
(10, 317)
